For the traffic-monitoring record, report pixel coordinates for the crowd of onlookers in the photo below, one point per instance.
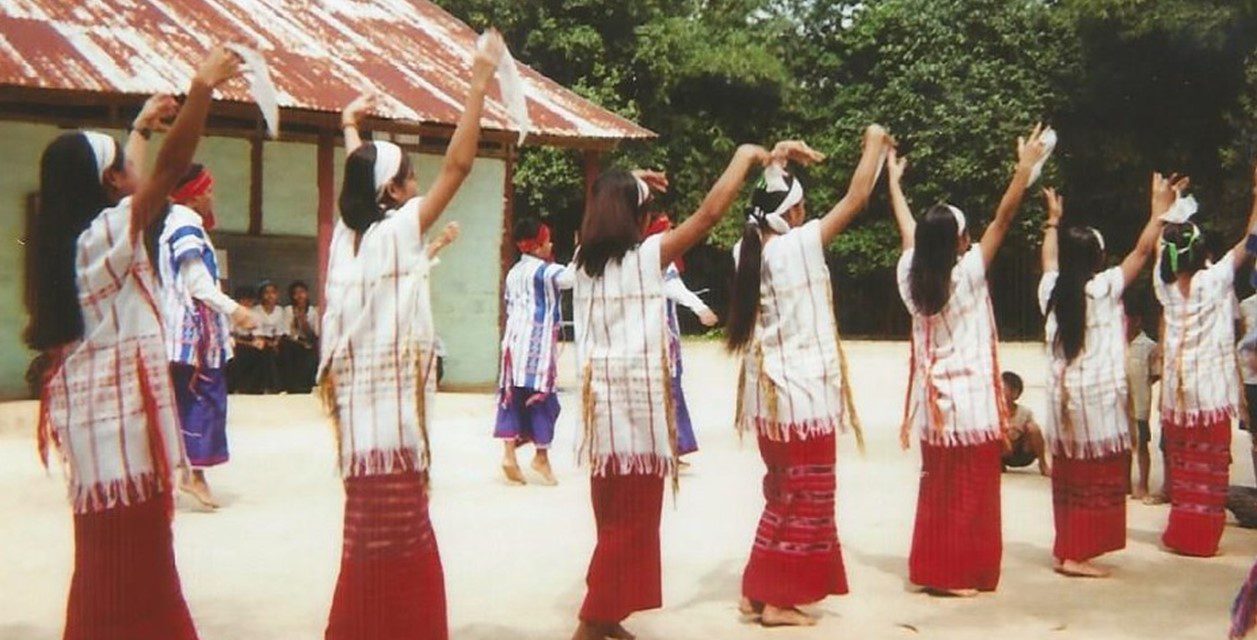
(281, 354)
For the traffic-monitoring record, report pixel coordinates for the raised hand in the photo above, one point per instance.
(353, 112)
(895, 166)
(219, 66)
(451, 232)
(1031, 150)
(656, 180)
(1165, 191)
(877, 134)
(490, 51)
(795, 151)
(1055, 205)
(156, 110)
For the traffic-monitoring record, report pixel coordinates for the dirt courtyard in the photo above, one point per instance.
(263, 567)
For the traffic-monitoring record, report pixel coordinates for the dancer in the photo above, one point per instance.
(794, 390)
(198, 324)
(954, 390)
(107, 402)
(377, 374)
(1088, 424)
(629, 418)
(1200, 388)
(678, 294)
(528, 406)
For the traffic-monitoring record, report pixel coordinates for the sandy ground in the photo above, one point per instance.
(264, 566)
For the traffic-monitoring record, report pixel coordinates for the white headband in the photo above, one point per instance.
(960, 220)
(388, 161)
(1099, 237)
(775, 182)
(103, 148)
(643, 191)
(1182, 210)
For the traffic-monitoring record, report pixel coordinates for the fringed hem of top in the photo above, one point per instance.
(778, 431)
(1199, 417)
(381, 463)
(634, 464)
(968, 438)
(1092, 449)
(122, 492)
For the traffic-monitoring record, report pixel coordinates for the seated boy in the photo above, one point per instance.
(1024, 443)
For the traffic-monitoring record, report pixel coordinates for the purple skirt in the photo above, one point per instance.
(686, 442)
(523, 424)
(201, 396)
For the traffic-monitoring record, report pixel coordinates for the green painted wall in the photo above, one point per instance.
(465, 285)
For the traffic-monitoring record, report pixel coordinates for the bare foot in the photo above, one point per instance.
(618, 632)
(791, 617)
(1139, 494)
(1076, 569)
(683, 465)
(952, 593)
(199, 492)
(749, 608)
(1045, 471)
(542, 467)
(589, 631)
(1155, 499)
(513, 474)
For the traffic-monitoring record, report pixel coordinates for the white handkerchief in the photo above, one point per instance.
(1181, 211)
(260, 86)
(512, 86)
(1049, 143)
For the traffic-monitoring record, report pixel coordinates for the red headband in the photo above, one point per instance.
(529, 245)
(193, 188)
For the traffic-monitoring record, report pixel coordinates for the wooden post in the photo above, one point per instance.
(255, 186)
(325, 158)
(506, 252)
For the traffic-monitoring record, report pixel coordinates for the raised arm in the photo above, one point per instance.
(1052, 230)
(876, 145)
(1028, 153)
(689, 233)
(895, 166)
(1242, 254)
(156, 110)
(1164, 192)
(179, 147)
(351, 118)
(466, 139)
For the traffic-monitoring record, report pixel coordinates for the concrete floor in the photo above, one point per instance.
(263, 567)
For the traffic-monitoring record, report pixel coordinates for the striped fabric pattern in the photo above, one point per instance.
(195, 334)
(109, 405)
(1199, 376)
(954, 395)
(792, 384)
(530, 342)
(378, 368)
(622, 353)
(1087, 399)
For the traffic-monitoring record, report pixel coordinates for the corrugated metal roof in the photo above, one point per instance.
(322, 53)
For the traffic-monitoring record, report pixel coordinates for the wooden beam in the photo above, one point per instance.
(255, 186)
(506, 250)
(326, 170)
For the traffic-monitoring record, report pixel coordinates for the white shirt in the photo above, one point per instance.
(270, 324)
(109, 405)
(290, 320)
(1087, 398)
(196, 334)
(531, 339)
(378, 363)
(622, 354)
(793, 374)
(1199, 380)
(678, 294)
(954, 397)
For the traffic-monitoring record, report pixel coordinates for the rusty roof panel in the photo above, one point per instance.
(322, 53)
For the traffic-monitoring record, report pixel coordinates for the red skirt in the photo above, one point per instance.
(796, 558)
(1089, 505)
(1199, 463)
(125, 584)
(957, 542)
(391, 584)
(625, 572)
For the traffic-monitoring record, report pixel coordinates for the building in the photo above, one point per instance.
(91, 63)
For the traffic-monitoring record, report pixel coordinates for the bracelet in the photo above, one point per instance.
(349, 125)
(144, 132)
(1049, 225)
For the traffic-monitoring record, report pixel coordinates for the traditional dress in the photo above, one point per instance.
(954, 404)
(109, 407)
(630, 433)
(1200, 394)
(1088, 424)
(678, 294)
(377, 376)
(794, 394)
(530, 348)
(198, 334)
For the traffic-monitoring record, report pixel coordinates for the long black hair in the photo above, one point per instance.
(613, 222)
(929, 277)
(744, 294)
(1081, 256)
(1182, 250)
(360, 205)
(71, 195)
